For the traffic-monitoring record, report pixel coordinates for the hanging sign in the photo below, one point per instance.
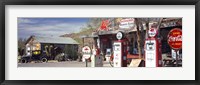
(171, 23)
(175, 39)
(127, 23)
(86, 52)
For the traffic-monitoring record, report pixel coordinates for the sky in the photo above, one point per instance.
(49, 26)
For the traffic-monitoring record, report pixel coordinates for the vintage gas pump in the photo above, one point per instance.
(153, 53)
(120, 51)
(96, 58)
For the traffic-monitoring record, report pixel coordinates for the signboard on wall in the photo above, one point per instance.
(127, 23)
(171, 23)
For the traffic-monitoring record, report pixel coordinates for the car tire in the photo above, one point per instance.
(23, 61)
(44, 60)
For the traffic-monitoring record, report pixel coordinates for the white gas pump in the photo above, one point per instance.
(153, 50)
(119, 49)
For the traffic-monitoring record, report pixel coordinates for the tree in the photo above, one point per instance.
(140, 30)
(94, 22)
(139, 36)
(21, 46)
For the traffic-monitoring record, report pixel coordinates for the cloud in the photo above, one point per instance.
(54, 27)
(27, 27)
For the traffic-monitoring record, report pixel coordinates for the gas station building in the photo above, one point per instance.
(104, 40)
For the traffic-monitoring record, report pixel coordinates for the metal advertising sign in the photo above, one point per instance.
(86, 52)
(127, 23)
(175, 39)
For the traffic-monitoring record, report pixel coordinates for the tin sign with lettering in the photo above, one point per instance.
(175, 39)
(127, 23)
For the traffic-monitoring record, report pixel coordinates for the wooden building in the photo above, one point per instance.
(65, 45)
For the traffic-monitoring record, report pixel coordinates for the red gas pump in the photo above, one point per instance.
(120, 51)
(153, 53)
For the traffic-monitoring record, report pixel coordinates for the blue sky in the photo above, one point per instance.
(49, 26)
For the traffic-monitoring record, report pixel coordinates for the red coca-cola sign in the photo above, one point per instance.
(175, 38)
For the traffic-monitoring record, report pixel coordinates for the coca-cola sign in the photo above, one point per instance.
(175, 38)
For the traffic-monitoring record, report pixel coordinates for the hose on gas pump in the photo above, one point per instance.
(111, 60)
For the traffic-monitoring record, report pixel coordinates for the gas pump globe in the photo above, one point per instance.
(153, 49)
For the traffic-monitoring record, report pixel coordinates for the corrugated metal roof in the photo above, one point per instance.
(56, 40)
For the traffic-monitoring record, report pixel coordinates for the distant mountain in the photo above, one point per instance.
(69, 35)
(77, 36)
